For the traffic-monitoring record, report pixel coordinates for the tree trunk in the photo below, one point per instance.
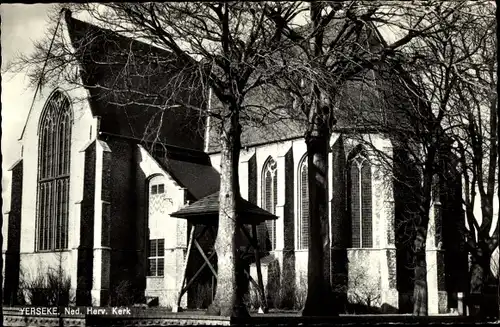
(1, 270)
(481, 264)
(423, 197)
(478, 275)
(319, 301)
(228, 299)
(498, 216)
(420, 302)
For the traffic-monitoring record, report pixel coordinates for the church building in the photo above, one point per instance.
(95, 184)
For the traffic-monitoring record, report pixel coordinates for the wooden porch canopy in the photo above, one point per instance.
(205, 212)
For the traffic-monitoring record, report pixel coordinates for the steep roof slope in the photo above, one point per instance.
(130, 82)
(366, 103)
(191, 169)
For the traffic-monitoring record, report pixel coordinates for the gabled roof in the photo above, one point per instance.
(142, 72)
(362, 107)
(190, 169)
(130, 82)
(366, 103)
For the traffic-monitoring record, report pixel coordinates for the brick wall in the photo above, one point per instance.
(12, 254)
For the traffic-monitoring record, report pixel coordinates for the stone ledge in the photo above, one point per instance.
(145, 317)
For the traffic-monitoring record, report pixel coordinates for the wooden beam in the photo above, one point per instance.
(250, 278)
(184, 269)
(197, 273)
(254, 241)
(205, 257)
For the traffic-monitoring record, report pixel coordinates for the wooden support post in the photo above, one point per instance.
(192, 240)
(253, 240)
(205, 257)
(250, 278)
(196, 274)
(184, 269)
(259, 271)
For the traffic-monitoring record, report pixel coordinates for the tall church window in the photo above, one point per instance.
(53, 174)
(270, 196)
(303, 223)
(360, 198)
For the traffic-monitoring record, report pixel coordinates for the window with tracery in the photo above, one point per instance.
(360, 198)
(53, 174)
(270, 196)
(303, 228)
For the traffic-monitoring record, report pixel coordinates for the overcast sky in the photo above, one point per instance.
(21, 25)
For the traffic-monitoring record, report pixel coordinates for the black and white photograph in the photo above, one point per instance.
(294, 163)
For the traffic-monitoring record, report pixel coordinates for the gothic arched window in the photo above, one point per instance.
(53, 173)
(303, 222)
(360, 198)
(270, 196)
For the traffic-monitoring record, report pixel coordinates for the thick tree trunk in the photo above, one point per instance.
(481, 264)
(423, 195)
(319, 301)
(420, 292)
(478, 275)
(228, 299)
(420, 303)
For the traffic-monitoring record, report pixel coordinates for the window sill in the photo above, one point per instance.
(52, 251)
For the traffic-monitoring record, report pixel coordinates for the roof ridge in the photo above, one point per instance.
(69, 17)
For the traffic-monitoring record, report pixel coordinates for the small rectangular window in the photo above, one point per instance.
(159, 267)
(154, 189)
(160, 248)
(152, 267)
(152, 248)
(161, 188)
(156, 254)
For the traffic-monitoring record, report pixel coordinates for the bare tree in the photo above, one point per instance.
(340, 43)
(473, 126)
(222, 46)
(451, 74)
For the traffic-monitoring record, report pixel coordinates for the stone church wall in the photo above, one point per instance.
(173, 230)
(122, 228)
(83, 130)
(371, 272)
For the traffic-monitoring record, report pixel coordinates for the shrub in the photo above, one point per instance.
(202, 297)
(301, 292)
(50, 289)
(364, 292)
(121, 294)
(252, 298)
